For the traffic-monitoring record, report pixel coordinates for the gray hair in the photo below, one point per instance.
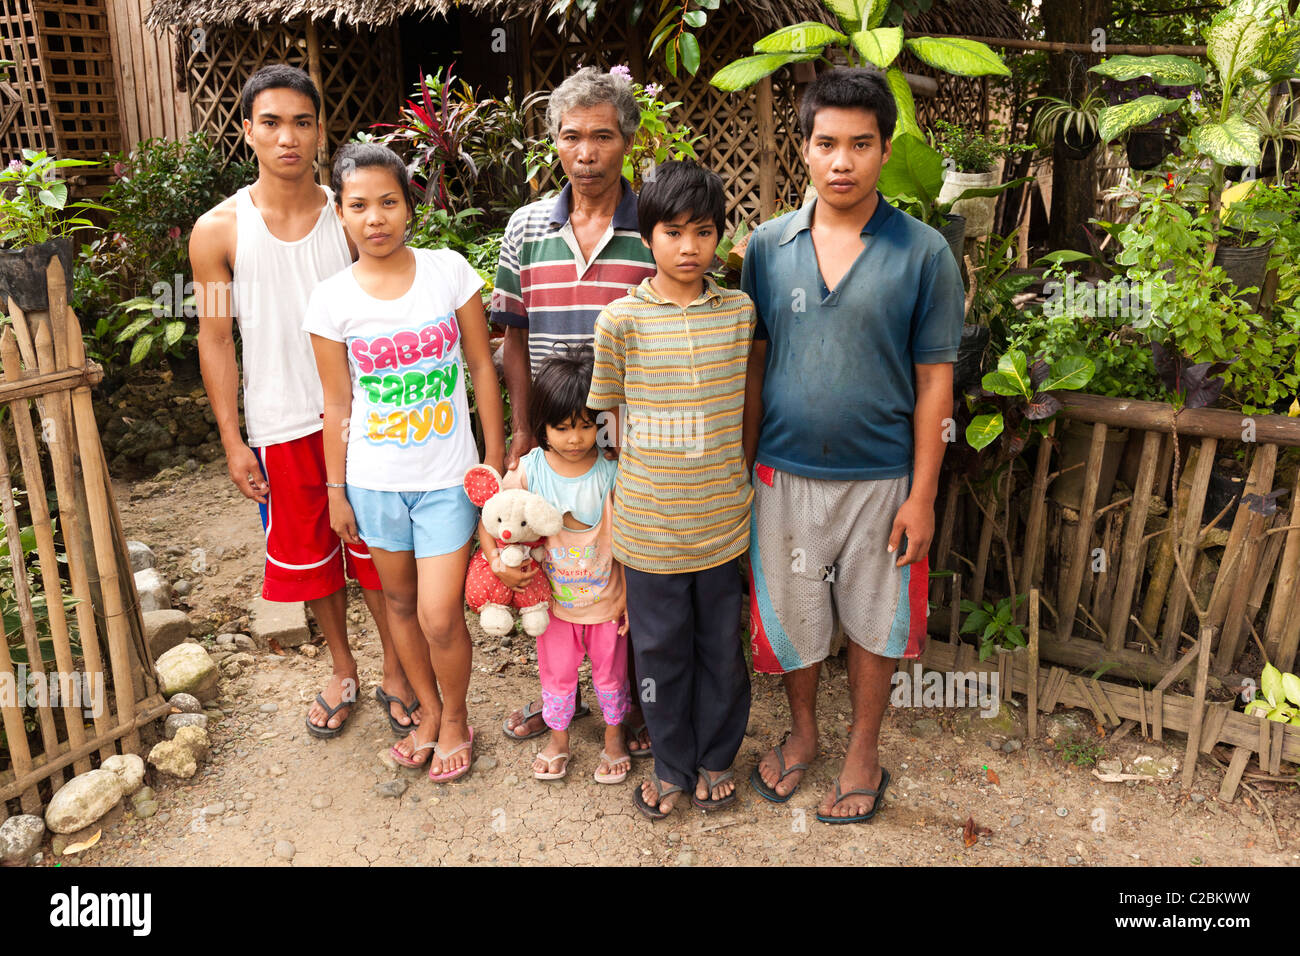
(592, 87)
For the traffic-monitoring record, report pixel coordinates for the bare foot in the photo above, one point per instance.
(399, 688)
(795, 750)
(638, 738)
(664, 806)
(619, 760)
(723, 789)
(453, 751)
(554, 757)
(342, 687)
(858, 803)
(417, 746)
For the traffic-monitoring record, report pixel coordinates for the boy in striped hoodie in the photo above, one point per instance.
(670, 377)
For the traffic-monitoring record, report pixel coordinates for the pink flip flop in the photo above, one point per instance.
(455, 774)
(406, 761)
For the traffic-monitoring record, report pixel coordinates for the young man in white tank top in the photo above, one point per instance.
(257, 256)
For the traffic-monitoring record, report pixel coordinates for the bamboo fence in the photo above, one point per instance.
(45, 366)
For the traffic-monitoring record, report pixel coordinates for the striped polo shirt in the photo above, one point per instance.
(544, 285)
(681, 501)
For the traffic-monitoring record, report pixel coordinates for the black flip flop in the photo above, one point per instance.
(769, 793)
(326, 732)
(653, 812)
(582, 710)
(388, 700)
(878, 793)
(711, 781)
(636, 735)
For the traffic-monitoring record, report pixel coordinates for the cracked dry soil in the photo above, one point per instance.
(269, 782)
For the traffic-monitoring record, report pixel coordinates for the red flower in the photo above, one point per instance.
(174, 232)
(1169, 180)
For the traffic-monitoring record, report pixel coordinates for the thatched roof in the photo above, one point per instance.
(975, 17)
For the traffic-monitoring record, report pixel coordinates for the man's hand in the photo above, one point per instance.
(521, 443)
(916, 520)
(246, 473)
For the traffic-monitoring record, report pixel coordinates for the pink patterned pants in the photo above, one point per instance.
(560, 651)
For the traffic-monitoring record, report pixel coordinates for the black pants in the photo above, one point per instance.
(693, 682)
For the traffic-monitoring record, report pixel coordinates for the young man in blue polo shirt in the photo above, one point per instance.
(850, 380)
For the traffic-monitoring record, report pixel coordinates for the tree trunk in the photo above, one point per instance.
(1074, 182)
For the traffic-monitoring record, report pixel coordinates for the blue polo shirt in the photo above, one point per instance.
(839, 389)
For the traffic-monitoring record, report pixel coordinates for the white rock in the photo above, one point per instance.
(163, 630)
(128, 767)
(187, 669)
(20, 836)
(154, 591)
(83, 800)
(140, 554)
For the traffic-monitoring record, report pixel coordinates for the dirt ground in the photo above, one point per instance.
(269, 784)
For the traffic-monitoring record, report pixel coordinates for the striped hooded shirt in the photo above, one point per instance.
(544, 285)
(681, 500)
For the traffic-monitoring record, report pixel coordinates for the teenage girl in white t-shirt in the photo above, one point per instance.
(393, 336)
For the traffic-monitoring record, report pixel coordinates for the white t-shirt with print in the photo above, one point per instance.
(410, 427)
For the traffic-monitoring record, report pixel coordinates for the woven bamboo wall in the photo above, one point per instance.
(150, 102)
(358, 75)
(63, 84)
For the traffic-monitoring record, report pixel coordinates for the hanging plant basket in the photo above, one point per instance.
(1245, 266)
(954, 231)
(1147, 148)
(22, 273)
(1078, 147)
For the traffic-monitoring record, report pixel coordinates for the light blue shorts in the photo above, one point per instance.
(429, 523)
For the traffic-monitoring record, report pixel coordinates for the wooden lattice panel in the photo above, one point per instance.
(358, 76)
(727, 121)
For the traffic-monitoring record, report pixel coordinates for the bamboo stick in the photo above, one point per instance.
(1132, 564)
(1283, 604)
(1198, 705)
(11, 714)
(1037, 509)
(1032, 676)
(982, 559)
(57, 291)
(1195, 422)
(944, 545)
(1258, 482)
(1191, 530)
(1074, 582)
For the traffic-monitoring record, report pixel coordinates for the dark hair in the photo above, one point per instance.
(278, 76)
(354, 156)
(559, 391)
(853, 88)
(677, 187)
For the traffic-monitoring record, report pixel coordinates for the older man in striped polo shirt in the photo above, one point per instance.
(564, 259)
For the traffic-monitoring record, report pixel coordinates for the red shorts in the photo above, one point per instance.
(305, 559)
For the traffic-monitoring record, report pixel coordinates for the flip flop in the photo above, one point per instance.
(769, 793)
(583, 710)
(636, 734)
(711, 781)
(326, 732)
(879, 794)
(612, 777)
(388, 700)
(406, 761)
(455, 774)
(564, 767)
(654, 813)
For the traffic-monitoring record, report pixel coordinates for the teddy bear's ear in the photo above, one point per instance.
(481, 483)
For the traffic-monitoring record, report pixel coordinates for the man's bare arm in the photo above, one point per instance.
(514, 359)
(916, 517)
(753, 418)
(211, 255)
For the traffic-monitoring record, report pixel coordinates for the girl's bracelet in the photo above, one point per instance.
(336, 484)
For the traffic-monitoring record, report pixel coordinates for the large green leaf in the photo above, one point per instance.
(141, 348)
(958, 56)
(1115, 121)
(1015, 366)
(872, 12)
(1071, 372)
(906, 105)
(1166, 69)
(690, 53)
(879, 46)
(1000, 384)
(983, 429)
(1233, 43)
(1234, 142)
(914, 169)
(749, 70)
(844, 10)
(54, 195)
(1280, 58)
(799, 38)
(173, 332)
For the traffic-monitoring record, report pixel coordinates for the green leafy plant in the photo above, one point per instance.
(1025, 393)
(1278, 697)
(1080, 751)
(1074, 121)
(863, 38)
(994, 623)
(10, 616)
(913, 177)
(34, 205)
(972, 151)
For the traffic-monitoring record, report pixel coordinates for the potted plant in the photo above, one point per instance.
(1072, 123)
(34, 225)
(970, 160)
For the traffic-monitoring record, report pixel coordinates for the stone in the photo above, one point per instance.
(140, 555)
(485, 763)
(275, 770)
(173, 759)
(155, 594)
(163, 630)
(285, 623)
(213, 810)
(145, 809)
(231, 670)
(269, 708)
(1062, 812)
(144, 793)
(83, 800)
(186, 704)
(925, 727)
(391, 788)
(309, 651)
(1011, 746)
(686, 857)
(187, 669)
(386, 759)
(20, 836)
(1065, 725)
(226, 640)
(1162, 768)
(181, 588)
(284, 849)
(164, 816)
(1018, 819)
(1198, 798)
(320, 801)
(1114, 765)
(234, 820)
(130, 770)
(245, 643)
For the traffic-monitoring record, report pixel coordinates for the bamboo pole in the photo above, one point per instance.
(1190, 518)
(767, 149)
(1087, 515)
(1061, 46)
(1037, 510)
(1131, 566)
(313, 69)
(1198, 705)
